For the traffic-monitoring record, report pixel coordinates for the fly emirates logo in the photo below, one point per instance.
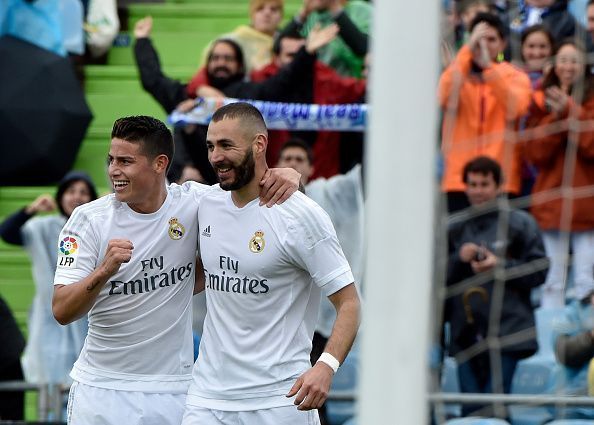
(152, 277)
(228, 280)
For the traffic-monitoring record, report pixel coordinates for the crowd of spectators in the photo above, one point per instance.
(320, 57)
(516, 89)
(517, 98)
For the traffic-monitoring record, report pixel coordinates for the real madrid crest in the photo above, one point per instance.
(257, 242)
(176, 229)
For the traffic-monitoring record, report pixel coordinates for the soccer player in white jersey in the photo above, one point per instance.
(264, 272)
(128, 260)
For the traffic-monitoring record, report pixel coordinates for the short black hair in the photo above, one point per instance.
(243, 111)
(153, 135)
(292, 33)
(590, 2)
(485, 166)
(492, 20)
(295, 142)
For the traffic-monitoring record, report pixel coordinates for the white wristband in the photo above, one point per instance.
(330, 360)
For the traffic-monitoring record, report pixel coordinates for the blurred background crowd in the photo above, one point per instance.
(515, 170)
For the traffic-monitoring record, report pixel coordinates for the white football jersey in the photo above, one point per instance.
(140, 327)
(264, 270)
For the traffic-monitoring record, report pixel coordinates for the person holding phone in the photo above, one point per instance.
(481, 284)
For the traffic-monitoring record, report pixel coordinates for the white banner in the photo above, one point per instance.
(285, 116)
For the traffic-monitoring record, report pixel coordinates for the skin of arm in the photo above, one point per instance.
(71, 302)
(277, 185)
(200, 281)
(313, 386)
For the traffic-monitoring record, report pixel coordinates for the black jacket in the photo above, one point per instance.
(169, 93)
(522, 246)
(561, 22)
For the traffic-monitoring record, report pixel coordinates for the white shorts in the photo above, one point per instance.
(89, 405)
(286, 415)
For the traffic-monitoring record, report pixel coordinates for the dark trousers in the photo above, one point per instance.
(475, 377)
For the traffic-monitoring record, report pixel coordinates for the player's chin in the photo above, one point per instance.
(121, 197)
(227, 182)
(227, 185)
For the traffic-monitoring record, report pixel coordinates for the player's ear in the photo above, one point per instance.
(260, 144)
(160, 163)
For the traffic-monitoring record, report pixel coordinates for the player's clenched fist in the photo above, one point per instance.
(118, 251)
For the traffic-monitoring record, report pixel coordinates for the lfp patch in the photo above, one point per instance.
(68, 252)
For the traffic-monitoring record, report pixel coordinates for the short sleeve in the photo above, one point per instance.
(78, 249)
(312, 243)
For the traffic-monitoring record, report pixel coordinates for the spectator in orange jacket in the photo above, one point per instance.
(482, 101)
(563, 194)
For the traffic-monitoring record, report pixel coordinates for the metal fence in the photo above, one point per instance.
(50, 399)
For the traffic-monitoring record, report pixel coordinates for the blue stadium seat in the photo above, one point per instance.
(345, 380)
(534, 375)
(476, 421)
(571, 422)
(450, 384)
(352, 421)
(537, 374)
(545, 317)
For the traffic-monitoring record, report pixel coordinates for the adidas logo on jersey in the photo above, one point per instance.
(206, 232)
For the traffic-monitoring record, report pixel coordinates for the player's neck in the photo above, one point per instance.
(250, 191)
(151, 203)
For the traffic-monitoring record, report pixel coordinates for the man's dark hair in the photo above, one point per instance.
(292, 33)
(483, 165)
(249, 115)
(295, 142)
(492, 20)
(152, 135)
(590, 2)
